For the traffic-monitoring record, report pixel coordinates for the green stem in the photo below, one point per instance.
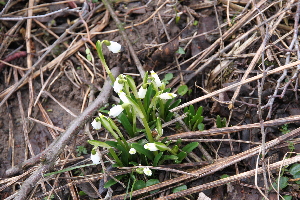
(148, 131)
(102, 59)
(114, 155)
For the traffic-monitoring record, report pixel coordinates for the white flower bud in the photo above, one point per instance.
(95, 158)
(150, 147)
(118, 86)
(142, 92)
(167, 95)
(147, 171)
(115, 111)
(132, 151)
(96, 125)
(114, 47)
(123, 97)
(156, 79)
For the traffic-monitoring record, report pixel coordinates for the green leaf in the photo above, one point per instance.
(180, 50)
(170, 157)
(192, 110)
(152, 182)
(97, 143)
(182, 90)
(287, 197)
(179, 188)
(112, 144)
(296, 176)
(282, 183)
(201, 126)
(142, 150)
(190, 147)
(161, 146)
(181, 156)
(295, 169)
(139, 184)
(111, 182)
(126, 124)
(81, 193)
(198, 115)
(157, 158)
(225, 176)
(168, 76)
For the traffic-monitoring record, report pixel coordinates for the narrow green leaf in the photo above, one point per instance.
(112, 143)
(97, 143)
(190, 147)
(157, 158)
(198, 115)
(126, 124)
(170, 157)
(161, 146)
(181, 156)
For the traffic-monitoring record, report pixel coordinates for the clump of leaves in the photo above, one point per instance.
(194, 118)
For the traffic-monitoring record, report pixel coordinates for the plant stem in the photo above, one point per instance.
(148, 131)
(102, 59)
(114, 155)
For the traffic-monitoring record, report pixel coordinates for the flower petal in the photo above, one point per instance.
(156, 79)
(167, 95)
(114, 47)
(123, 97)
(115, 111)
(151, 147)
(118, 86)
(147, 171)
(96, 125)
(95, 158)
(132, 151)
(142, 92)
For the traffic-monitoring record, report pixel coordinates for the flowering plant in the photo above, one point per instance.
(141, 111)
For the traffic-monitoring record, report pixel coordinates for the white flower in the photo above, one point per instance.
(96, 125)
(132, 151)
(114, 47)
(95, 158)
(150, 147)
(147, 171)
(118, 86)
(142, 92)
(123, 97)
(115, 111)
(167, 95)
(156, 79)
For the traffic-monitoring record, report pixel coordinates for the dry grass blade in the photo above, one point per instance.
(232, 129)
(278, 69)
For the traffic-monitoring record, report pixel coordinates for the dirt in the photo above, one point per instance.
(70, 83)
